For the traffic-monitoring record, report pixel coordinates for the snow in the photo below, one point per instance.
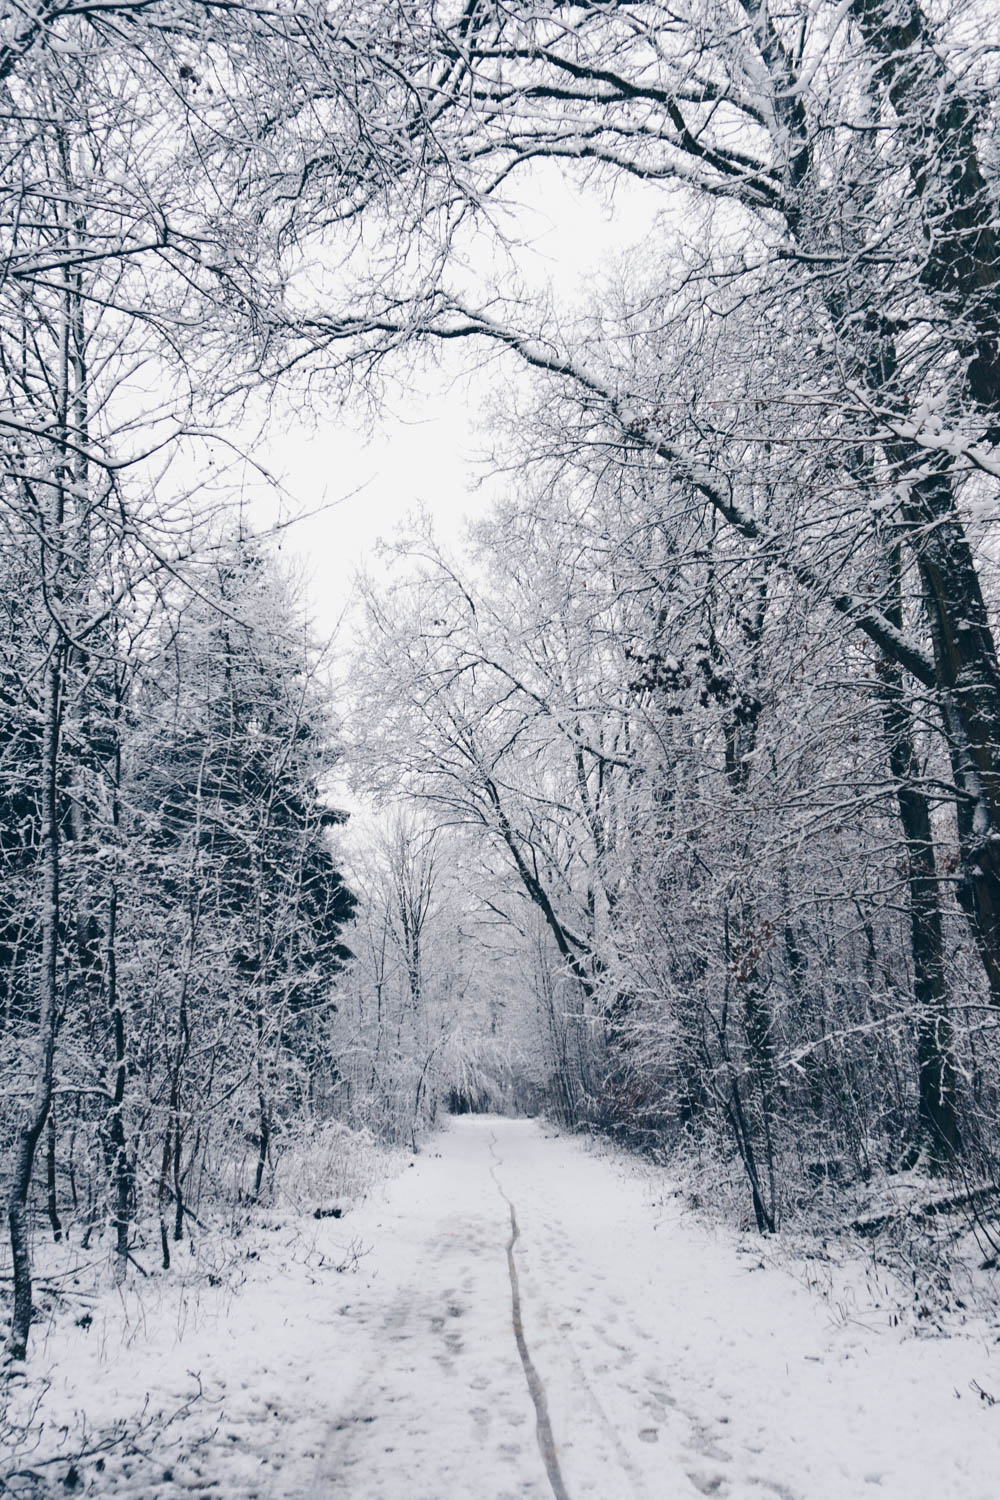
(675, 1360)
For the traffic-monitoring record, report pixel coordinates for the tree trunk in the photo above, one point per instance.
(942, 126)
(937, 1120)
(162, 1193)
(122, 1186)
(961, 270)
(969, 694)
(40, 1101)
(51, 1197)
(51, 526)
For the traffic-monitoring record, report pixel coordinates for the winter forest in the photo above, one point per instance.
(659, 804)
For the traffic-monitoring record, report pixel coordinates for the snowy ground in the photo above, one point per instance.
(668, 1360)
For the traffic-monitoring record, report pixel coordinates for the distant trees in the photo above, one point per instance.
(492, 709)
(430, 1014)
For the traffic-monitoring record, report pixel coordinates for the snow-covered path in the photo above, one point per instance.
(374, 1357)
(671, 1364)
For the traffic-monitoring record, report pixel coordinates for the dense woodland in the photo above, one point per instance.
(683, 771)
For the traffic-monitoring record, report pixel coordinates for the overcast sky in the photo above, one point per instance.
(363, 485)
(426, 446)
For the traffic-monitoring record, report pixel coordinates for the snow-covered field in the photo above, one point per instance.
(671, 1360)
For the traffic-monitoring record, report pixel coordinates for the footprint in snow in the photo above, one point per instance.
(708, 1484)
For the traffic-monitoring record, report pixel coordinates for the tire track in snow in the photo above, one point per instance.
(584, 1386)
(543, 1425)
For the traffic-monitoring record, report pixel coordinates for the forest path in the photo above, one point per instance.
(657, 1359)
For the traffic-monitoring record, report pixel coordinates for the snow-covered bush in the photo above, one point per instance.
(328, 1165)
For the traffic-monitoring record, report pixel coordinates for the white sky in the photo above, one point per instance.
(425, 447)
(366, 484)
